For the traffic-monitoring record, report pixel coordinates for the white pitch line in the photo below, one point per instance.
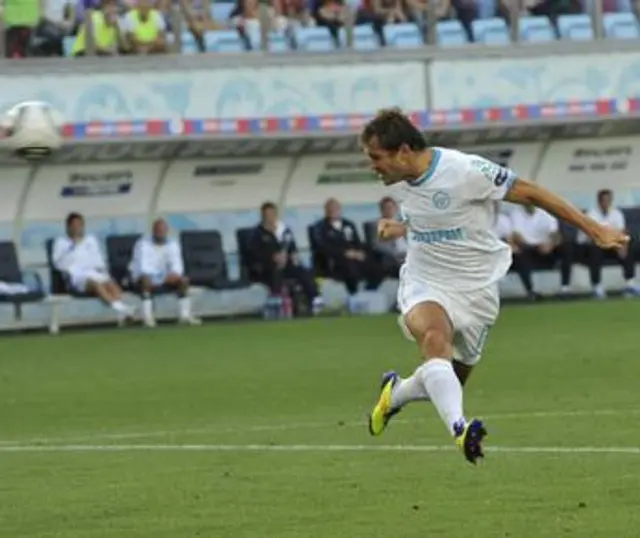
(116, 436)
(317, 448)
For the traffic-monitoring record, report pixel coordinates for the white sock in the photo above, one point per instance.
(631, 283)
(185, 307)
(120, 307)
(444, 389)
(408, 390)
(147, 309)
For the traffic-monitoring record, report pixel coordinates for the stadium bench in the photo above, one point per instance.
(205, 263)
(11, 273)
(119, 254)
(536, 29)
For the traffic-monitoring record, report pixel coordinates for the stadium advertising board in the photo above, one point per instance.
(222, 184)
(509, 81)
(579, 168)
(221, 146)
(123, 188)
(225, 93)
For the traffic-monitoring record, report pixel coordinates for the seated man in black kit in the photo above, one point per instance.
(391, 251)
(606, 213)
(536, 244)
(274, 256)
(340, 244)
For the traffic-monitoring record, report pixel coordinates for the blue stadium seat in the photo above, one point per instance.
(224, 41)
(314, 39)
(621, 26)
(486, 8)
(189, 43)
(622, 6)
(451, 34)
(220, 11)
(492, 31)
(575, 27)
(277, 42)
(536, 30)
(403, 36)
(67, 45)
(364, 38)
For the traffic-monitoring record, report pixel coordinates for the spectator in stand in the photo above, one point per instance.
(392, 252)
(340, 245)
(156, 264)
(146, 29)
(296, 12)
(78, 257)
(606, 213)
(553, 8)
(21, 17)
(332, 15)
(247, 17)
(196, 16)
(274, 257)
(107, 35)
(536, 244)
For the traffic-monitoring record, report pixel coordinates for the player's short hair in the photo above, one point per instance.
(268, 205)
(386, 200)
(393, 129)
(73, 216)
(604, 192)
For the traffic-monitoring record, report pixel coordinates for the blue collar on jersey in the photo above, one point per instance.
(432, 168)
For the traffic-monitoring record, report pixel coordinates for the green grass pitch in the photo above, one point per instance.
(258, 430)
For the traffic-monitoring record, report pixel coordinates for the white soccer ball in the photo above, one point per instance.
(32, 130)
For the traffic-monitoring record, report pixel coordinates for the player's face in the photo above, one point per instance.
(160, 230)
(270, 216)
(390, 166)
(76, 228)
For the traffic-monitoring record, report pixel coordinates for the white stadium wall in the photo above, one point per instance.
(115, 199)
(221, 194)
(225, 194)
(577, 169)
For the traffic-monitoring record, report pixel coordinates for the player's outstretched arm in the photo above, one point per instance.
(525, 192)
(391, 229)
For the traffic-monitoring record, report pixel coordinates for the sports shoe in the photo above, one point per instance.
(382, 412)
(469, 438)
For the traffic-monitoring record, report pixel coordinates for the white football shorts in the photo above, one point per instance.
(472, 314)
(79, 279)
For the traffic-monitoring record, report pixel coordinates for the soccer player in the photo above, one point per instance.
(448, 293)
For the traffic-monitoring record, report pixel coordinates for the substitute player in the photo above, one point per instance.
(448, 292)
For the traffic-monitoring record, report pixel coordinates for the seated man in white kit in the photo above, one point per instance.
(536, 244)
(78, 256)
(607, 214)
(157, 263)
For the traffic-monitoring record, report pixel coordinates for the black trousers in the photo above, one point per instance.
(594, 258)
(352, 272)
(530, 258)
(274, 277)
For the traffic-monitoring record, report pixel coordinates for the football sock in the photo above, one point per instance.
(408, 390)
(444, 390)
(185, 307)
(147, 308)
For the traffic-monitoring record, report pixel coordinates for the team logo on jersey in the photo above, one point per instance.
(441, 200)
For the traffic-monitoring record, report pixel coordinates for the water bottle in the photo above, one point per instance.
(272, 307)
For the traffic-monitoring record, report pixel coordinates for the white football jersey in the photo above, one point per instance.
(449, 213)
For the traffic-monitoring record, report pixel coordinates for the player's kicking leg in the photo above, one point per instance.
(438, 379)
